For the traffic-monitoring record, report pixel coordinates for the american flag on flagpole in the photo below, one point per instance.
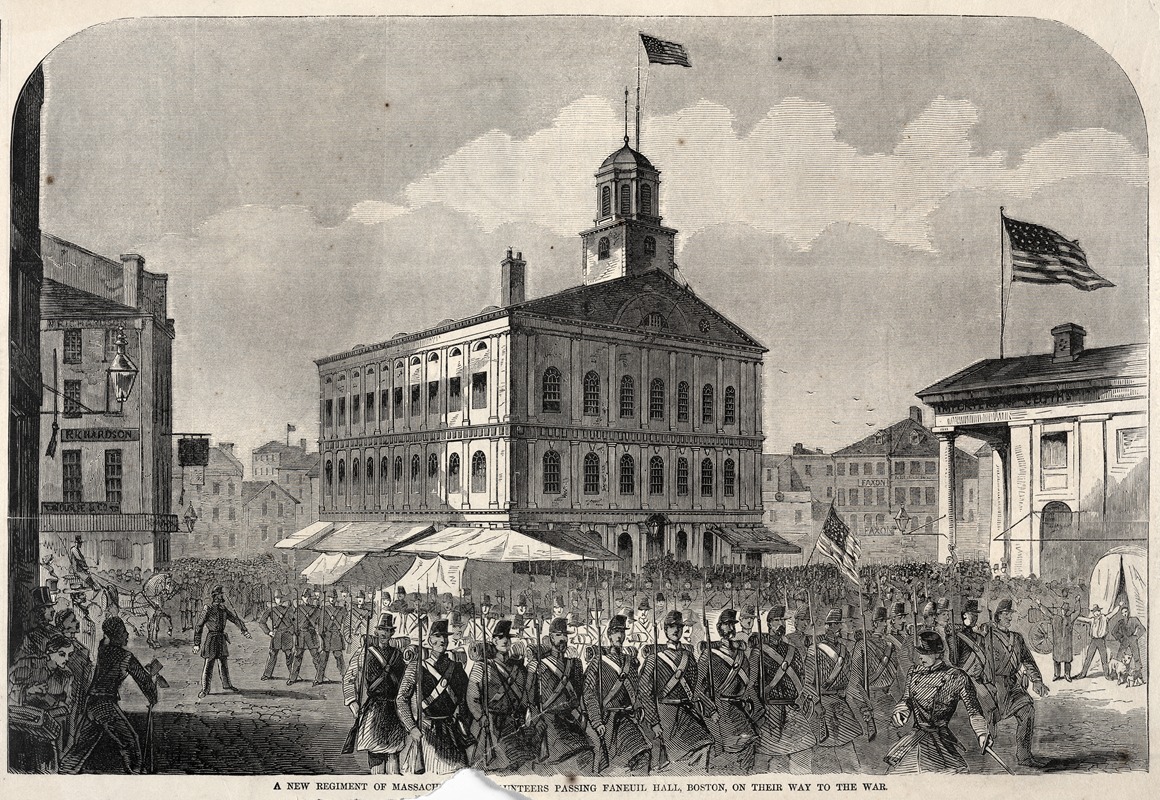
(839, 544)
(661, 52)
(1041, 255)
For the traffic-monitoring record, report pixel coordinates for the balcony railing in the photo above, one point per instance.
(108, 523)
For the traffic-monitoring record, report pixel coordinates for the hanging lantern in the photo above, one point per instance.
(122, 371)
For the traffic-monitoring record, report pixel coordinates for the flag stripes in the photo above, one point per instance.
(1042, 255)
(839, 544)
(661, 52)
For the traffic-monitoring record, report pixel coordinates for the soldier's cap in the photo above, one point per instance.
(834, 617)
(362, 596)
(386, 622)
(439, 628)
(502, 628)
(749, 611)
(486, 601)
(776, 614)
(1095, 607)
(617, 623)
(558, 625)
(1004, 605)
(942, 604)
(660, 598)
(929, 643)
(879, 614)
(305, 594)
(644, 605)
(78, 538)
(218, 590)
(728, 617)
(558, 602)
(898, 610)
(685, 597)
(332, 596)
(927, 608)
(455, 618)
(674, 618)
(972, 607)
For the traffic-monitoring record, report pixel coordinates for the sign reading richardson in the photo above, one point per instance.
(80, 508)
(100, 434)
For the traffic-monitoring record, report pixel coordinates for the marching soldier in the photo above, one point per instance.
(727, 693)
(933, 693)
(440, 684)
(361, 613)
(873, 671)
(827, 666)
(278, 624)
(903, 644)
(555, 688)
(669, 695)
(370, 688)
(497, 701)
(642, 626)
(973, 659)
(785, 737)
(1008, 662)
(215, 647)
(523, 625)
(610, 698)
(330, 636)
(306, 639)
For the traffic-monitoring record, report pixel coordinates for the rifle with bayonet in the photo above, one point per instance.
(662, 752)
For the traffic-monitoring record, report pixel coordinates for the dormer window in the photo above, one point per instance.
(602, 248)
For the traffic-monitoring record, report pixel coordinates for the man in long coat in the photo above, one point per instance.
(278, 623)
(332, 620)
(1063, 619)
(727, 693)
(370, 688)
(668, 695)
(497, 701)
(827, 666)
(555, 690)
(785, 737)
(437, 684)
(215, 646)
(305, 616)
(610, 698)
(1011, 667)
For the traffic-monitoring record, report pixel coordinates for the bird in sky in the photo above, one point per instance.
(834, 421)
(869, 424)
(783, 372)
(857, 398)
(808, 391)
(869, 410)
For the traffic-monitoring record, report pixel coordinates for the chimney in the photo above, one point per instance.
(1068, 341)
(131, 267)
(916, 414)
(512, 274)
(227, 447)
(797, 449)
(302, 444)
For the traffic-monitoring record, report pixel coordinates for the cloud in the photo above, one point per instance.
(791, 175)
(370, 212)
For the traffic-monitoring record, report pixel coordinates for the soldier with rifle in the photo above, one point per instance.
(555, 689)
(874, 666)
(1011, 669)
(827, 679)
(610, 698)
(973, 659)
(727, 694)
(278, 623)
(671, 708)
(361, 612)
(306, 638)
(499, 704)
(370, 689)
(903, 646)
(330, 635)
(786, 735)
(431, 707)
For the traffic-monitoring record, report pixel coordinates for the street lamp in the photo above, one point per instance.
(902, 520)
(122, 372)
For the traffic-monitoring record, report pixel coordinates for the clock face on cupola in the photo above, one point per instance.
(627, 237)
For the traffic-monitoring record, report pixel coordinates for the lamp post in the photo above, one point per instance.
(122, 371)
(902, 520)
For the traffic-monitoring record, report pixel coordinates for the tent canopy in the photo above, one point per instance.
(503, 544)
(358, 569)
(368, 537)
(305, 537)
(1128, 565)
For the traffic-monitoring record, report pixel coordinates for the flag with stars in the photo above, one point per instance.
(839, 544)
(661, 52)
(1041, 255)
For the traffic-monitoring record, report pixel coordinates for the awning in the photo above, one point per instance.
(359, 569)
(328, 568)
(305, 537)
(504, 545)
(758, 539)
(369, 537)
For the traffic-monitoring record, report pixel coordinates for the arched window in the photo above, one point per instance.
(707, 549)
(453, 473)
(650, 246)
(682, 545)
(867, 522)
(592, 394)
(432, 465)
(627, 474)
(398, 472)
(479, 472)
(550, 401)
(551, 472)
(625, 198)
(730, 405)
(416, 467)
(591, 474)
(656, 399)
(455, 352)
(342, 476)
(605, 201)
(384, 471)
(683, 476)
(707, 477)
(602, 248)
(707, 404)
(329, 474)
(646, 201)
(682, 402)
(416, 361)
(370, 476)
(627, 397)
(656, 475)
(354, 474)
(729, 478)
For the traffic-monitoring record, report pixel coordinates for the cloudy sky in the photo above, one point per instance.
(309, 185)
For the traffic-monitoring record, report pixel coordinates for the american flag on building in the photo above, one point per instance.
(661, 52)
(840, 545)
(1041, 255)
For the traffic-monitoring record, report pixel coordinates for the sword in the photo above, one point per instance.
(991, 752)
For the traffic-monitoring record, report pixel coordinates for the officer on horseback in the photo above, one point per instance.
(79, 566)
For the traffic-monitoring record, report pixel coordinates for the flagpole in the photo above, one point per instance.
(638, 94)
(1002, 286)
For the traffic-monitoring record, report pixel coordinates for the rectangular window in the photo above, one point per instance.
(216, 514)
(233, 514)
(1053, 450)
(70, 475)
(829, 470)
(841, 497)
(113, 474)
(829, 492)
(841, 468)
(931, 499)
(341, 411)
(880, 468)
(330, 413)
(853, 497)
(899, 467)
(881, 497)
(110, 343)
(384, 404)
(72, 398)
(915, 467)
(265, 529)
(416, 398)
(72, 346)
(398, 402)
(281, 509)
(854, 468)
(355, 416)
(370, 407)
(899, 496)
(479, 390)
(915, 496)
(217, 488)
(932, 468)
(683, 402)
(454, 393)
(217, 540)
(233, 540)
(432, 397)
(867, 497)
(809, 470)
(1131, 443)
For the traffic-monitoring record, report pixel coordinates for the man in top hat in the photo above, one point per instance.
(332, 620)
(555, 689)
(642, 625)
(1097, 622)
(370, 688)
(972, 658)
(441, 685)
(668, 695)
(306, 638)
(827, 669)
(933, 693)
(215, 647)
(943, 615)
(785, 735)
(278, 623)
(610, 698)
(727, 695)
(78, 565)
(1009, 664)
(497, 702)
(478, 629)
(1063, 618)
(42, 609)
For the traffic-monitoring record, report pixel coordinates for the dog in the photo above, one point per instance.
(1125, 672)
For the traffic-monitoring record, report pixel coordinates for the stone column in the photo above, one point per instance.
(1092, 468)
(1022, 530)
(946, 492)
(999, 547)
